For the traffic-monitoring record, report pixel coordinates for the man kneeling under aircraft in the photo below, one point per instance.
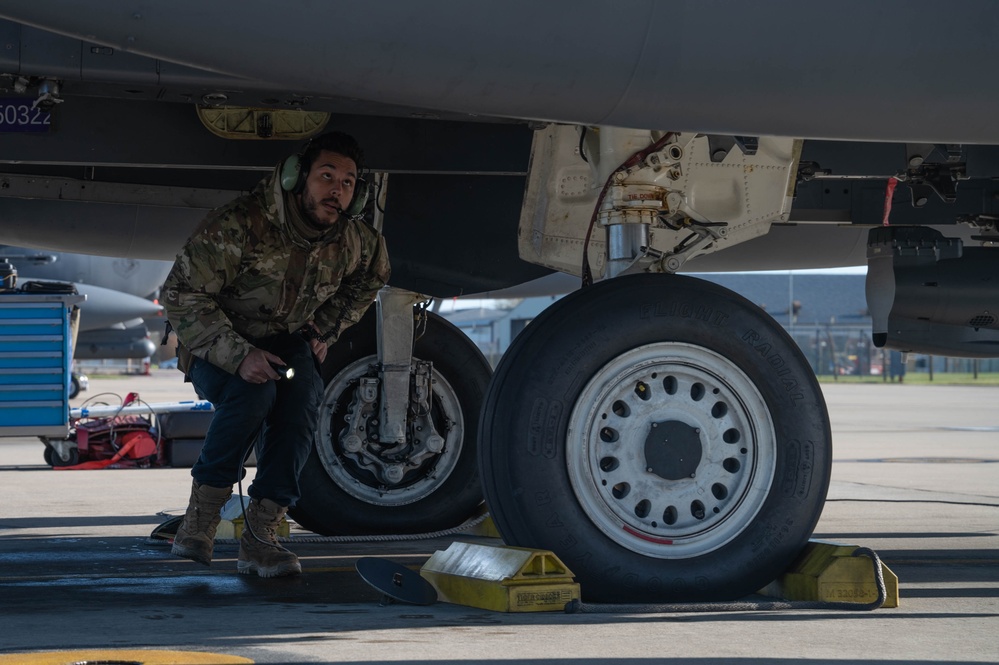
(265, 284)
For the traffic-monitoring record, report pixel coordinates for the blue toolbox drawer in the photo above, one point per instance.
(36, 354)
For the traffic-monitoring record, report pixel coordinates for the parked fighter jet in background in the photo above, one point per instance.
(662, 435)
(118, 292)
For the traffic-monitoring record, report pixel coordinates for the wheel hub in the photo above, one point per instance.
(391, 462)
(389, 473)
(673, 450)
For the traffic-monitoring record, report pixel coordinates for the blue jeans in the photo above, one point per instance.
(282, 414)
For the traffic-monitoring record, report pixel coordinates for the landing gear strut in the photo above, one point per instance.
(365, 478)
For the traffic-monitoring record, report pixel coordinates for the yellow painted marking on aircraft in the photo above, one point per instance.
(235, 122)
(141, 656)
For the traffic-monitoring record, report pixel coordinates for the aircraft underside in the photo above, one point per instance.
(663, 435)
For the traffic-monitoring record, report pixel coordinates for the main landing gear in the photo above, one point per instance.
(662, 435)
(357, 482)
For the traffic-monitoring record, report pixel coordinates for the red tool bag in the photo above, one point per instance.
(122, 440)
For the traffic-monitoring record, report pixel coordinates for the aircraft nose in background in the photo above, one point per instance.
(105, 307)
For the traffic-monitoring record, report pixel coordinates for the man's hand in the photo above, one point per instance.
(319, 349)
(256, 367)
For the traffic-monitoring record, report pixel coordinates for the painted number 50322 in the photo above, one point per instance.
(16, 115)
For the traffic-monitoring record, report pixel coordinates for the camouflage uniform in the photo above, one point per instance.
(247, 273)
(251, 277)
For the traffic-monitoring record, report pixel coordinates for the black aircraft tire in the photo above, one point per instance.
(712, 509)
(461, 372)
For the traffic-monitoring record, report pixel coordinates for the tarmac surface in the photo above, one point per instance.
(914, 479)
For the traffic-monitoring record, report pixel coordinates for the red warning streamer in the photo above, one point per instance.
(889, 195)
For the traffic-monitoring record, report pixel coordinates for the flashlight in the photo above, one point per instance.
(285, 371)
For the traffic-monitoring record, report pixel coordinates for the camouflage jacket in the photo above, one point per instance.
(246, 273)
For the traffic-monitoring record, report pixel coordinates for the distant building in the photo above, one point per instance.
(809, 299)
(493, 330)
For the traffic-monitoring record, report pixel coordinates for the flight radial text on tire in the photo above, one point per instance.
(353, 483)
(662, 435)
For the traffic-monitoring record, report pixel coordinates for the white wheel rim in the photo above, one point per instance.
(681, 473)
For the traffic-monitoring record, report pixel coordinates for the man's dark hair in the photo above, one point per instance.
(338, 142)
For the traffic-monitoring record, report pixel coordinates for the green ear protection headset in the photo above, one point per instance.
(293, 180)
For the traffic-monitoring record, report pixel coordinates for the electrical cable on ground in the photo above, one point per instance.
(464, 526)
(163, 530)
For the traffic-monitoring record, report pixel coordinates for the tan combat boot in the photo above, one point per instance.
(258, 546)
(195, 537)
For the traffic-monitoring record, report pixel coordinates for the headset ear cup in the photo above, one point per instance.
(291, 174)
(360, 199)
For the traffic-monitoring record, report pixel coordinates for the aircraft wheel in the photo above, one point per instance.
(74, 387)
(662, 435)
(344, 488)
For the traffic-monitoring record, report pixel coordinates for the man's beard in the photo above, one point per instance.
(310, 209)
